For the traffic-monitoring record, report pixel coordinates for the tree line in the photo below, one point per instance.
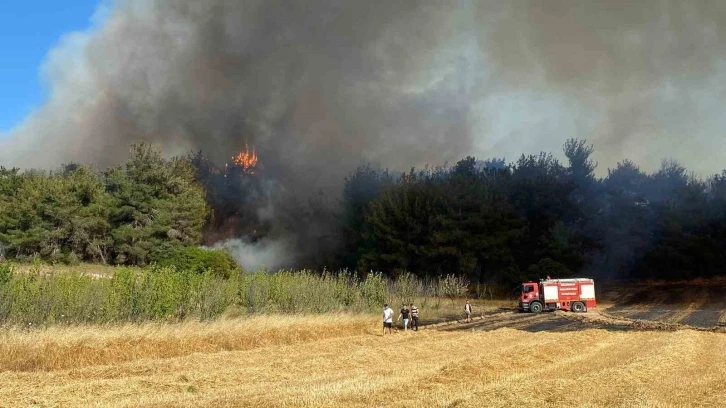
(128, 215)
(498, 222)
(488, 221)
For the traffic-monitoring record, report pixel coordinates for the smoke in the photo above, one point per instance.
(316, 87)
(320, 87)
(641, 80)
(265, 254)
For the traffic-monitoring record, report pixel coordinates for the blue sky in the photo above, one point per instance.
(28, 30)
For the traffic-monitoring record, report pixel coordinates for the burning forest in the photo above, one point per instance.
(281, 102)
(234, 193)
(256, 218)
(206, 184)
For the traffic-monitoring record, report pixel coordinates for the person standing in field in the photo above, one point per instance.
(387, 319)
(404, 315)
(467, 311)
(414, 317)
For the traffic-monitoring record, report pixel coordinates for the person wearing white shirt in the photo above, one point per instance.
(387, 319)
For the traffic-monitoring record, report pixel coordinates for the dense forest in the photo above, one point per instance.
(490, 221)
(499, 222)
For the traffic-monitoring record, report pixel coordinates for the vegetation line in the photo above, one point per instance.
(32, 298)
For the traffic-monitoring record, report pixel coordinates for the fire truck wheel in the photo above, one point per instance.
(535, 307)
(578, 307)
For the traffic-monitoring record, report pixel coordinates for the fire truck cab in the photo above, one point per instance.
(576, 295)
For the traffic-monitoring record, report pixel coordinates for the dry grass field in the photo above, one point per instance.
(502, 360)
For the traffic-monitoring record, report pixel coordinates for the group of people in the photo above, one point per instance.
(410, 314)
(407, 314)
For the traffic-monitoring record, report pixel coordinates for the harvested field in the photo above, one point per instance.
(503, 359)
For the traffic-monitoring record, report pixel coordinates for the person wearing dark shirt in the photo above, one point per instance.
(414, 317)
(405, 313)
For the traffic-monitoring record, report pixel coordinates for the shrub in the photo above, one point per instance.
(406, 287)
(121, 302)
(73, 259)
(452, 286)
(197, 260)
(6, 273)
(373, 290)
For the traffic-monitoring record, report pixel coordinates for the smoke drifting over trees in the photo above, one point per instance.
(319, 87)
(537, 217)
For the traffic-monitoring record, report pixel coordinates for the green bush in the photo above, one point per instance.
(197, 260)
(373, 290)
(6, 273)
(121, 302)
(73, 259)
(452, 286)
(406, 287)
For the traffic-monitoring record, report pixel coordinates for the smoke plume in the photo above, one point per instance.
(319, 87)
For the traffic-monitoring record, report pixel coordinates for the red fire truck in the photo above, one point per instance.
(577, 295)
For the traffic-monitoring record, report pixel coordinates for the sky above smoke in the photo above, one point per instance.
(319, 87)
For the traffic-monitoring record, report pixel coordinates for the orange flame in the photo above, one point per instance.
(246, 159)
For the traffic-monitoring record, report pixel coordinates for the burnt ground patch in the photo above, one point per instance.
(554, 324)
(424, 320)
(655, 313)
(710, 312)
(550, 322)
(701, 305)
(510, 319)
(702, 318)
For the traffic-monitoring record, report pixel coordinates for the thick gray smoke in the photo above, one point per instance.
(320, 86)
(315, 86)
